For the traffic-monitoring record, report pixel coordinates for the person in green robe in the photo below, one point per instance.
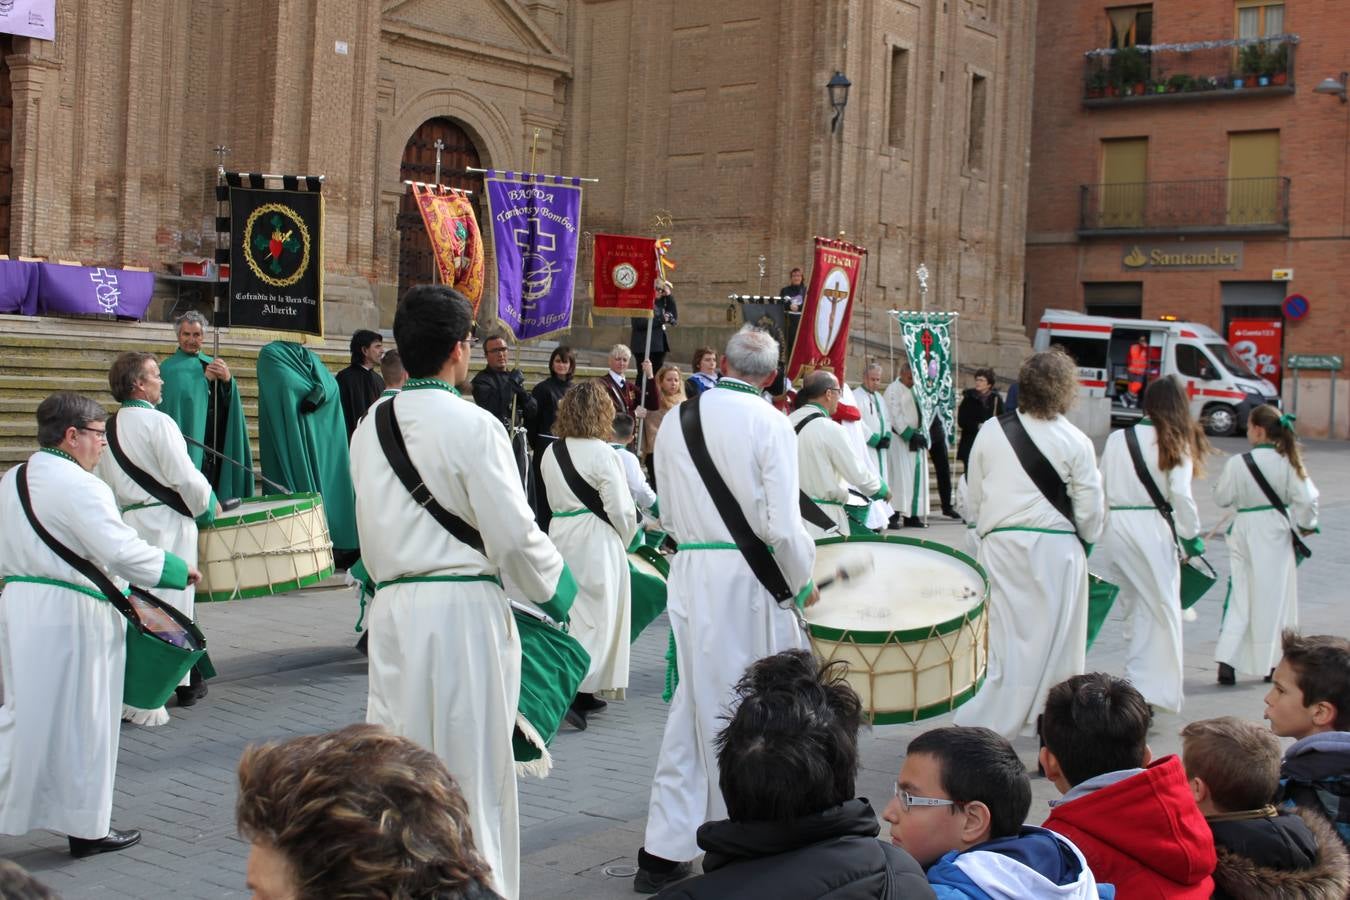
(302, 437)
(190, 376)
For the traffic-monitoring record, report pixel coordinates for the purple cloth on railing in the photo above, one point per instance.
(85, 291)
(18, 287)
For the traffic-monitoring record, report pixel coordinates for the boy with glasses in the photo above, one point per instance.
(960, 805)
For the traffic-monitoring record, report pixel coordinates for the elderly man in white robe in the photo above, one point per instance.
(908, 452)
(826, 463)
(62, 644)
(877, 435)
(444, 650)
(152, 442)
(722, 617)
(1035, 557)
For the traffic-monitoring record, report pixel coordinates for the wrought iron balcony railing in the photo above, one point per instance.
(1239, 205)
(1204, 70)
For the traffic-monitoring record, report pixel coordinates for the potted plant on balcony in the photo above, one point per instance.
(1129, 68)
(1097, 83)
(1276, 64)
(1180, 83)
(1250, 62)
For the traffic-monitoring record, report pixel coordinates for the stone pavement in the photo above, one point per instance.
(287, 668)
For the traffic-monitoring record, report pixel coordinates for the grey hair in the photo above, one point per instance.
(751, 353)
(620, 350)
(816, 385)
(191, 317)
(63, 410)
(873, 367)
(906, 367)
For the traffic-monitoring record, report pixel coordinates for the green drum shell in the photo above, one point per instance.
(217, 585)
(877, 659)
(647, 592)
(155, 667)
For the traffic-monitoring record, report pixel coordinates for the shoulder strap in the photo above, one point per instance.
(163, 493)
(391, 441)
(1037, 467)
(807, 421)
(1141, 470)
(1261, 482)
(809, 510)
(585, 491)
(756, 554)
(69, 556)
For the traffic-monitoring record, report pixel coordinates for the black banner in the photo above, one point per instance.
(276, 260)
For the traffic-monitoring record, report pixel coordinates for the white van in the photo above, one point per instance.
(1223, 390)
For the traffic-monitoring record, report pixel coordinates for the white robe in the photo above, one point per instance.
(723, 619)
(827, 466)
(597, 554)
(875, 425)
(644, 497)
(1138, 554)
(1037, 570)
(1263, 585)
(63, 652)
(154, 443)
(909, 468)
(444, 656)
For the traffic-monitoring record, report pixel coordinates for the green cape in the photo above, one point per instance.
(306, 449)
(187, 399)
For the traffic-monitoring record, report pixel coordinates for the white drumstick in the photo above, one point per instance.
(853, 567)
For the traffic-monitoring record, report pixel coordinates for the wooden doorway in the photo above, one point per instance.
(416, 264)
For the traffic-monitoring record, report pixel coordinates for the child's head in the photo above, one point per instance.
(1232, 765)
(1310, 690)
(1093, 724)
(623, 428)
(975, 769)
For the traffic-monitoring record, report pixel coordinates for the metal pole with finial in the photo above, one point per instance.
(534, 149)
(438, 145)
(222, 210)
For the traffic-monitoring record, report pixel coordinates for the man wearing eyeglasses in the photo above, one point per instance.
(827, 465)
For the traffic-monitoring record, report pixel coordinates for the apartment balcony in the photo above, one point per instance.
(1213, 206)
(1178, 73)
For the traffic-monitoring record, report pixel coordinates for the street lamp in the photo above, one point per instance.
(1334, 86)
(837, 88)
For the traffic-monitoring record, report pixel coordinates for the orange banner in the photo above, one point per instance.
(456, 243)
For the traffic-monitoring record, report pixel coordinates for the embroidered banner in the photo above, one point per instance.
(29, 18)
(822, 339)
(535, 223)
(456, 242)
(276, 259)
(625, 274)
(928, 348)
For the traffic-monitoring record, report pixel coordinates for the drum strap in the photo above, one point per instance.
(1039, 469)
(396, 451)
(585, 491)
(810, 511)
(164, 494)
(1301, 550)
(1146, 478)
(755, 551)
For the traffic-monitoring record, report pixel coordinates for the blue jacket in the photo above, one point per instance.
(1035, 863)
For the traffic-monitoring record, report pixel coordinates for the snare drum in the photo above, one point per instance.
(913, 630)
(647, 571)
(268, 545)
(162, 645)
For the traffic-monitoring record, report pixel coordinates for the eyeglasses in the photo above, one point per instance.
(502, 349)
(102, 433)
(908, 801)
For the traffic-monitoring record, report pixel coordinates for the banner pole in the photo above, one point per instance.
(221, 152)
(647, 358)
(436, 179)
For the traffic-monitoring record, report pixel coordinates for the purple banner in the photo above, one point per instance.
(535, 225)
(18, 287)
(87, 291)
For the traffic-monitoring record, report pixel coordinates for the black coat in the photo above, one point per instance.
(973, 412)
(833, 854)
(547, 394)
(358, 387)
(664, 314)
(494, 391)
(1293, 856)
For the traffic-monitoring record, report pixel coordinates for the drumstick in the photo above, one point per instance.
(848, 569)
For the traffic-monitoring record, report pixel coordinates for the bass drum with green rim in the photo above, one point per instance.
(647, 573)
(268, 545)
(912, 628)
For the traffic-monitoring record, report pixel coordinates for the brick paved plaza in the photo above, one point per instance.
(287, 668)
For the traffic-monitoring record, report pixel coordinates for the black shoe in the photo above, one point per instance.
(116, 840)
(915, 522)
(574, 718)
(362, 646)
(951, 513)
(1226, 674)
(588, 703)
(894, 521)
(658, 873)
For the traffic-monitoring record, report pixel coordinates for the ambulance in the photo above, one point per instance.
(1222, 389)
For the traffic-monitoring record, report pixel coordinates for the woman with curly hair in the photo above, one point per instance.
(355, 813)
(594, 524)
(1035, 556)
(1139, 550)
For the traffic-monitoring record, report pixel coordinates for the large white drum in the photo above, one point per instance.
(268, 545)
(912, 630)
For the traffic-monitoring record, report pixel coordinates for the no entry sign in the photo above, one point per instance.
(1295, 307)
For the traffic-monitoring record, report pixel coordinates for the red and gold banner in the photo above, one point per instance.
(822, 337)
(456, 243)
(625, 274)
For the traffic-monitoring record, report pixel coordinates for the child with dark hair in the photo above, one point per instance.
(1310, 700)
(1133, 817)
(1264, 853)
(960, 804)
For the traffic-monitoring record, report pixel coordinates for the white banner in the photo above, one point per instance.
(29, 18)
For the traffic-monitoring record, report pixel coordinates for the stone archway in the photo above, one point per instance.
(416, 264)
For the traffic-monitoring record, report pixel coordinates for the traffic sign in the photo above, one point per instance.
(1324, 361)
(1295, 307)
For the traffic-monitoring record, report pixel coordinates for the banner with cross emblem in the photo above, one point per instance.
(536, 220)
(928, 341)
(822, 339)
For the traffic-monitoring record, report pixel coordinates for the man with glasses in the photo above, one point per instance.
(500, 389)
(827, 465)
(62, 644)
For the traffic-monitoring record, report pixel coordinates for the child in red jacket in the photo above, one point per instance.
(1134, 819)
